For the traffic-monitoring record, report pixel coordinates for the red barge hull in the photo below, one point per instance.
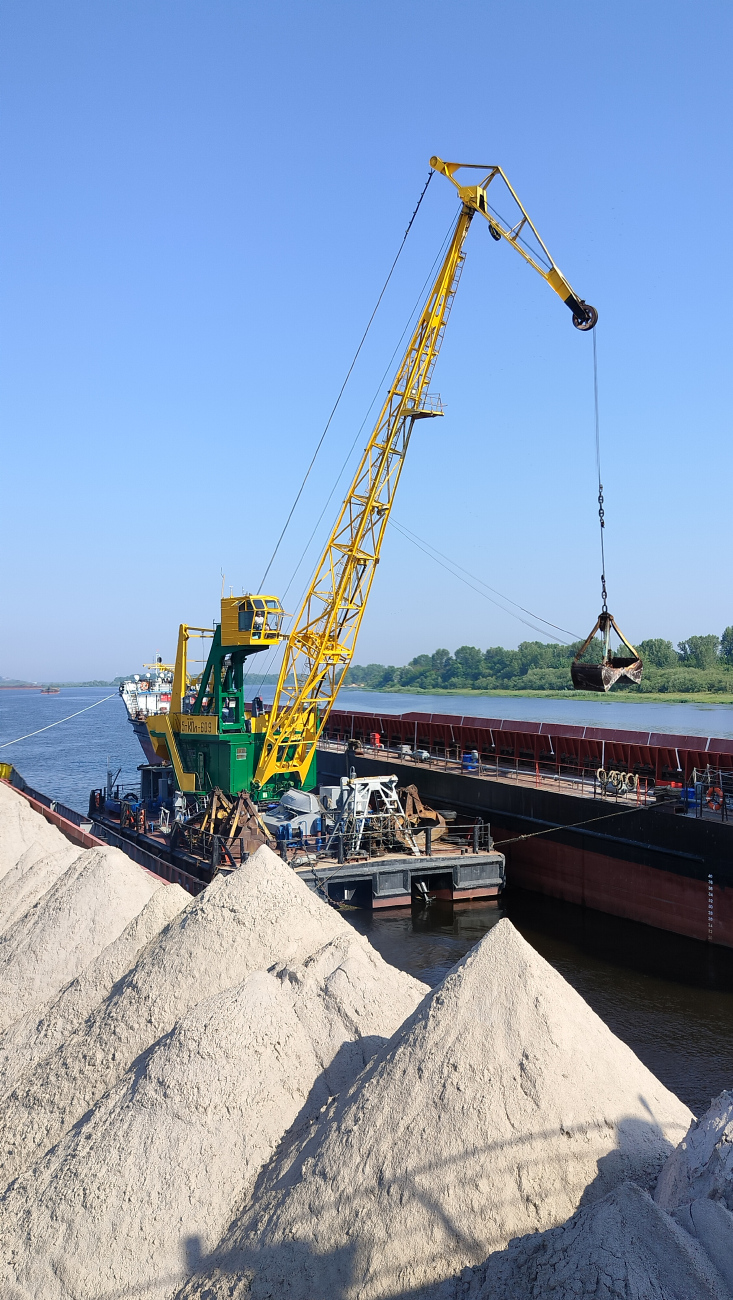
(646, 864)
(696, 908)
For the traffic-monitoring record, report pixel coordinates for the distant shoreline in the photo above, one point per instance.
(40, 686)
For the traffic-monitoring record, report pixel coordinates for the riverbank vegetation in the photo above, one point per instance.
(702, 665)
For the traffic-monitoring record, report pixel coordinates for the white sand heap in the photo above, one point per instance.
(621, 1248)
(83, 911)
(696, 1183)
(148, 1180)
(86, 909)
(45, 1027)
(34, 873)
(500, 1103)
(20, 827)
(702, 1165)
(259, 915)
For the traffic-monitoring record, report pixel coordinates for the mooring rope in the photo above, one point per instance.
(572, 825)
(59, 721)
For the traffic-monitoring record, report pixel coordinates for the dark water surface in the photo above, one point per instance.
(669, 998)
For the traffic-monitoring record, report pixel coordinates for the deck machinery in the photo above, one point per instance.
(216, 739)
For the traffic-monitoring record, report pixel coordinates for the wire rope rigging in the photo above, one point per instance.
(217, 738)
(602, 676)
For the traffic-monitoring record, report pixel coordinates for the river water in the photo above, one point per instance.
(669, 998)
(604, 711)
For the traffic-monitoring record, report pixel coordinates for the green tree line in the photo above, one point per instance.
(701, 663)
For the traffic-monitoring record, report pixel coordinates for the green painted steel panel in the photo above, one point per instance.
(230, 762)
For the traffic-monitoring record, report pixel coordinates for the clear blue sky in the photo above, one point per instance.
(201, 204)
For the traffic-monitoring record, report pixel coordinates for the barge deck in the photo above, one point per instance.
(658, 854)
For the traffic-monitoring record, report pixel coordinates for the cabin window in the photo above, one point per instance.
(245, 619)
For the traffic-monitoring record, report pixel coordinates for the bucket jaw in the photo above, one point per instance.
(602, 676)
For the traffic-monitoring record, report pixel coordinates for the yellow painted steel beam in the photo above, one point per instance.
(475, 196)
(321, 643)
(178, 688)
(320, 647)
(163, 739)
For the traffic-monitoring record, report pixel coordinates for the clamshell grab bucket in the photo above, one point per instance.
(602, 676)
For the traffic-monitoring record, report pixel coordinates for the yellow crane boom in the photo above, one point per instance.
(320, 645)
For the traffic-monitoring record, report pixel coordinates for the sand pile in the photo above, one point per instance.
(500, 1103)
(34, 873)
(702, 1164)
(45, 1027)
(20, 827)
(145, 1184)
(259, 915)
(621, 1248)
(696, 1183)
(86, 909)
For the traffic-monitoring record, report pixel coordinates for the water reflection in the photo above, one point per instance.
(669, 998)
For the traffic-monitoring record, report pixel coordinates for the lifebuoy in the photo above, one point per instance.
(714, 798)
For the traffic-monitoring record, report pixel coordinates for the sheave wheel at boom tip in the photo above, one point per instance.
(587, 322)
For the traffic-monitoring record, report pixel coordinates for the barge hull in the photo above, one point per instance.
(696, 908)
(646, 864)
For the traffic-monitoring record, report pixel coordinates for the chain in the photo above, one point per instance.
(601, 511)
(601, 517)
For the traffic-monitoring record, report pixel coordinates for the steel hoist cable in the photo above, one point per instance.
(340, 474)
(423, 546)
(346, 380)
(601, 510)
(375, 399)
(602, 676)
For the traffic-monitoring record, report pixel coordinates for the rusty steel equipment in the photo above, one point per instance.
(232, 818)
(602, 676)
(418, 814)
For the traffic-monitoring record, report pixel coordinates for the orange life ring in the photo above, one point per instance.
(714, 798)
